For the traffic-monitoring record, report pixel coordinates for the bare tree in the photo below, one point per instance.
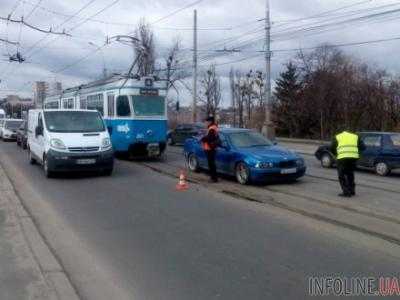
(145, 49)
(210, 93)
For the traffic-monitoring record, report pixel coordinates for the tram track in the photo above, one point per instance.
(331, 179)
(274, 201)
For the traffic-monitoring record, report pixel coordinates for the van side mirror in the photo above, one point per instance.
(110, 130)
(38, 130)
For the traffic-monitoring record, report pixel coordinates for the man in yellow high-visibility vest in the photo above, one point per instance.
(347, 147)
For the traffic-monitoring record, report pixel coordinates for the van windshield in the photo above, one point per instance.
(73, 121)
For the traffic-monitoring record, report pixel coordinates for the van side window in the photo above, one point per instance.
(123, 107)
(110, 104)
(40, 120)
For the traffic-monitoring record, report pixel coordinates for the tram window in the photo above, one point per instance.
(83, 103)
(110, 104)
(123, 108)
(70, 103)
(95, 102)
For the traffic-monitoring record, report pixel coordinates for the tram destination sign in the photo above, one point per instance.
(149, 92)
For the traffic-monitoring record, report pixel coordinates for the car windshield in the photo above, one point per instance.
(148, 105)
(395, 138)
(73, 121)
(12, 124)
(248, 139)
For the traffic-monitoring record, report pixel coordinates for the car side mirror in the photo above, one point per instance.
(38, 130)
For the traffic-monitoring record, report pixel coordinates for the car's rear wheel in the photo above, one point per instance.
(326, 161)
(382, 169)
(193, 162)
(242, 173)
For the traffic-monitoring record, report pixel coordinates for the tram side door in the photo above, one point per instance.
(110, 111)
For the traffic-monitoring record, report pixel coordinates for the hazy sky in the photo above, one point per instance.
(234, 23)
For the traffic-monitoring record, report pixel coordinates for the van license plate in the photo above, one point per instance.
(88, 161)
(289, 171)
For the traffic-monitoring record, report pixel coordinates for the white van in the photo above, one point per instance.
(69, 140)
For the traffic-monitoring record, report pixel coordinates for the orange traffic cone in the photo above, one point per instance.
(182, 185)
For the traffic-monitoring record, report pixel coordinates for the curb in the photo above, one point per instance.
(52, 271)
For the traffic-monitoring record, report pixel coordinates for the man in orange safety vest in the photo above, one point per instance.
(210, 143)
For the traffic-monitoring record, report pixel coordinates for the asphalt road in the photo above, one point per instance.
(133, 236)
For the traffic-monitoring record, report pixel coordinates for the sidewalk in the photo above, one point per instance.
(28, 270)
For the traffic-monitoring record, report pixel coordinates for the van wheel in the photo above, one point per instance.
(32, 161)
(47, 172)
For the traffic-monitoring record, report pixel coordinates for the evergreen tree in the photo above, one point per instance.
(286, 104)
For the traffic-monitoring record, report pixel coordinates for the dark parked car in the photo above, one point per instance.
(22, 135)
(183, 132)
(382, 152)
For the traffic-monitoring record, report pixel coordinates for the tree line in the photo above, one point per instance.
(325, 91)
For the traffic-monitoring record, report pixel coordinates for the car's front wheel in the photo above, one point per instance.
(193, 162)
(382, 169)
(326, 161)
(46, 169)
(242, 173)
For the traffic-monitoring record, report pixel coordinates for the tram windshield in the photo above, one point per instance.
(148, 105)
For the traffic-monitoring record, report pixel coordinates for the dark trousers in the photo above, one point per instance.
(211, 163)
(346, 169)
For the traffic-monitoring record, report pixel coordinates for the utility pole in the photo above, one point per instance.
(268, 129)
(194, 108)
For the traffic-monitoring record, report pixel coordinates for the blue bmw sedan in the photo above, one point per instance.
(248, 156)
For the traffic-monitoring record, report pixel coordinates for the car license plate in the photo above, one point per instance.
(87, 161)
(289, 171)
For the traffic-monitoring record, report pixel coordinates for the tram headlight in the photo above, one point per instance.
(106, 144)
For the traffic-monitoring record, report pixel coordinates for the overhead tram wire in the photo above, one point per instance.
(61, 24)
(323, 14)
(80, 24)
(157, 21)
(176, 11)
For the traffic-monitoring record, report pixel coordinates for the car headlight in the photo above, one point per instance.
(300, 162)
(106, 143)
(264, 165)
(57, 144)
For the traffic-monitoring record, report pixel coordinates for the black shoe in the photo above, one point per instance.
(213, 180)
(344, 195)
